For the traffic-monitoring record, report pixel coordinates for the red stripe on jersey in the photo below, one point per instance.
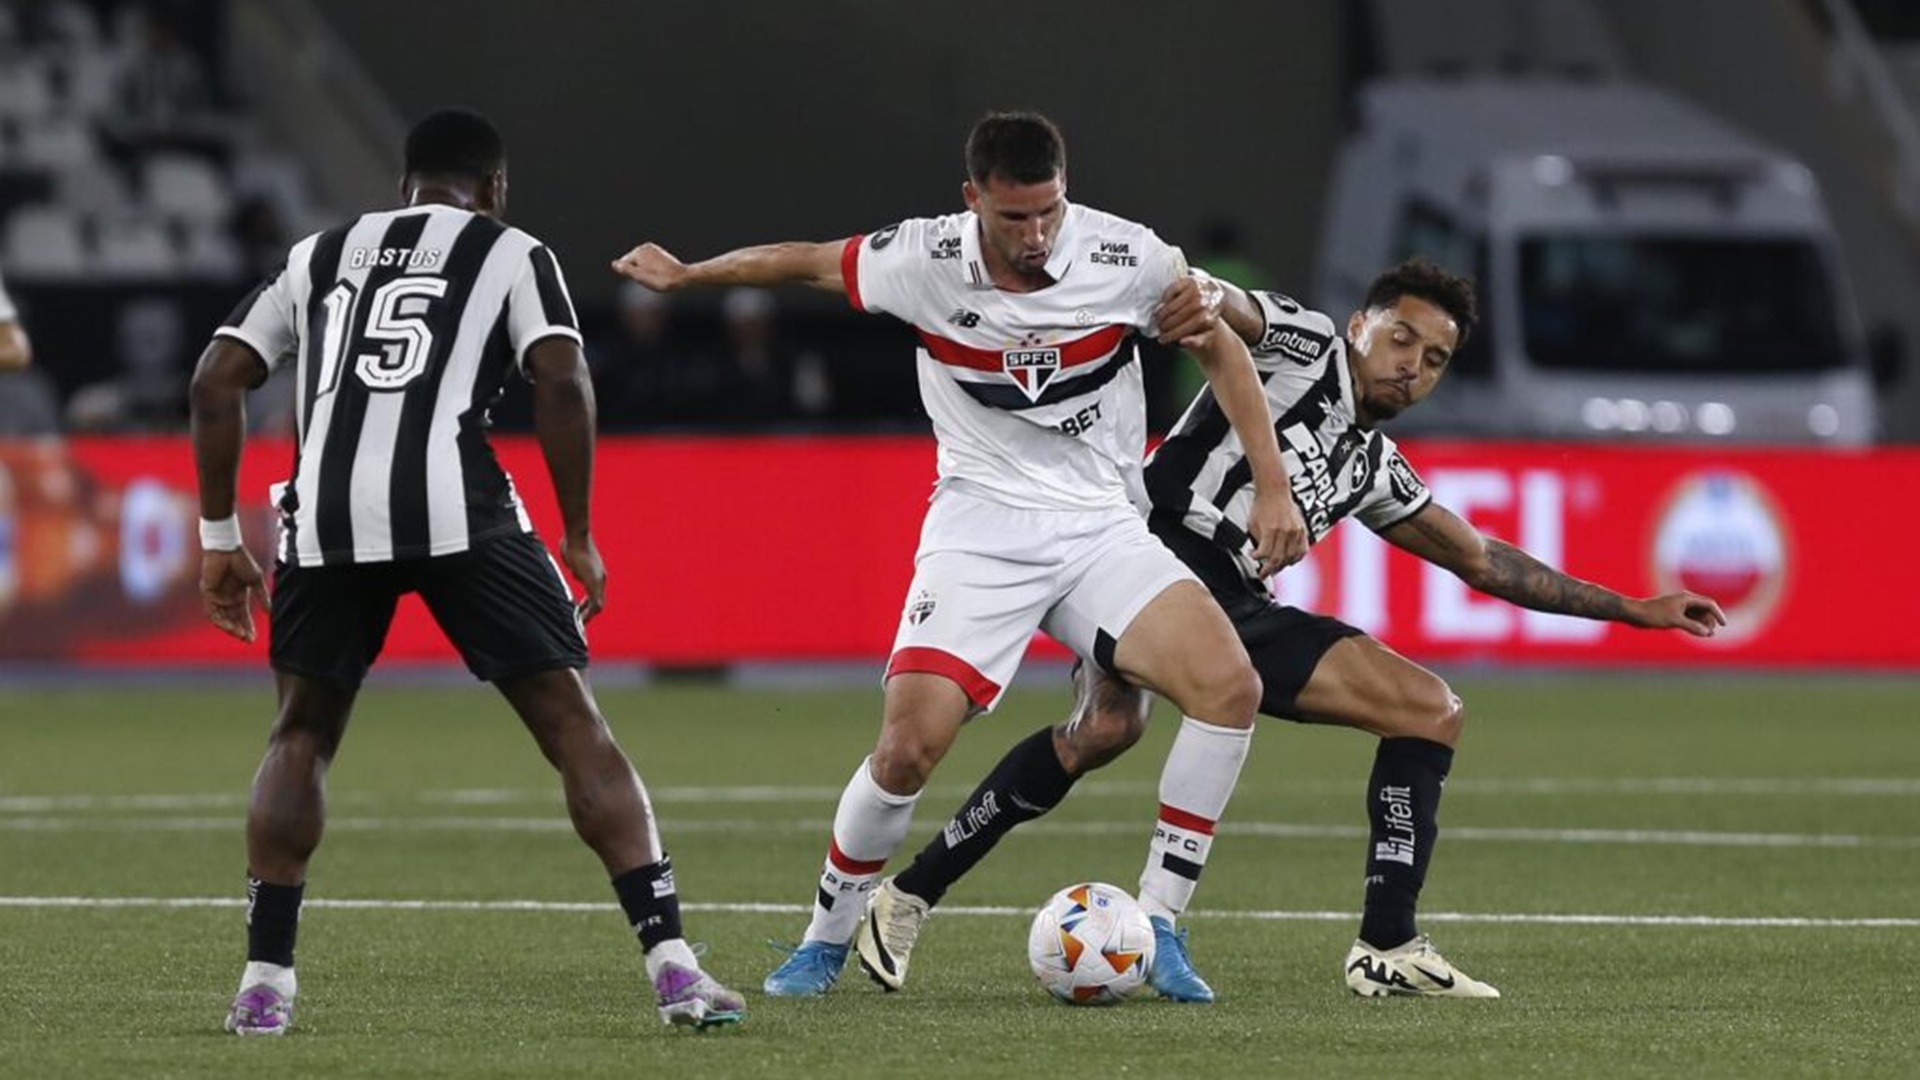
(847, 865)
(918, 658)
(1181, 819)
(850, 270)
(1083, 350)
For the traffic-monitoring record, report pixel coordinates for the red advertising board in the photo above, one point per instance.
(800, 548)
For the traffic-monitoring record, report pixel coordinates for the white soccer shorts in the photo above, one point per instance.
(987, 575)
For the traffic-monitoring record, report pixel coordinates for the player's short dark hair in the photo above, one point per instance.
(455, 143)
(1417, 277)
(1024, 147)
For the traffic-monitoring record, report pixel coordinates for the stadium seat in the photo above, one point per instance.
(135, 248)
(44, 241)
(26, 88)
(186, 187)
(94, 188)
(92, 76)
(57, 143)
(211, 253)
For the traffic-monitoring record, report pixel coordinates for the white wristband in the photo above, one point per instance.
(222, 535)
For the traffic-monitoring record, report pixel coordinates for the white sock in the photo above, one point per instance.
(670, 951)
(279, 979)
(867, 828)
(1195, 785)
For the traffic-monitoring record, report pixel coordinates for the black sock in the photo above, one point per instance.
(1403, 807)
(653, 907)
(1026, 783)
(273, 918)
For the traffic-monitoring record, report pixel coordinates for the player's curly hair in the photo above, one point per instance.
(455, 143)
(1024, 147)
(1418, 277)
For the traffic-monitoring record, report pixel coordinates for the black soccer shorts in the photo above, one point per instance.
(1284, 643)
(503, 604)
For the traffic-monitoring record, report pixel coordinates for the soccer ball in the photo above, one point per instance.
(1090, 944)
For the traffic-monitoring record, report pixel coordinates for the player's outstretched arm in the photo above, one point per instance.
(230, 581)
(1497, 568)
(563, 415)
(1279, 534)
(794, 263)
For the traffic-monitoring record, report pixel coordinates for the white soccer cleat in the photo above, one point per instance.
(887, 934)
(1415, 969)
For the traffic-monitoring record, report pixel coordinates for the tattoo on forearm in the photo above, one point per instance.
(1514, 575)
(1434, 534)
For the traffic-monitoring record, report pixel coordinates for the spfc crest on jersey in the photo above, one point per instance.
(1032, 369)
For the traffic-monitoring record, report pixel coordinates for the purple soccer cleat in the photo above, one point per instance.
(690, 997)
(260, 1010)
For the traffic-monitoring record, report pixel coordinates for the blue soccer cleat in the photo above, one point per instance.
(811, 969)
(1172, 974)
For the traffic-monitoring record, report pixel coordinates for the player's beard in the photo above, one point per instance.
(1381, 405)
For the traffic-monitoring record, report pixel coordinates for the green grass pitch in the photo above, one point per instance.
(1745, 854)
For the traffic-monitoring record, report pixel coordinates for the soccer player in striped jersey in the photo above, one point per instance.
(1023, 305)
(405, 327)
(1328, 393)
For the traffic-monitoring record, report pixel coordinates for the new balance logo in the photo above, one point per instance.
(964, 319)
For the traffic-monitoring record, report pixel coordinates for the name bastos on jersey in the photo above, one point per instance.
(1200, 474)
(1036, 398)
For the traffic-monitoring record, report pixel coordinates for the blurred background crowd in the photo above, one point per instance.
(157, 157)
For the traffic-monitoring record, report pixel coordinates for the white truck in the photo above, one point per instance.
(1645, 270)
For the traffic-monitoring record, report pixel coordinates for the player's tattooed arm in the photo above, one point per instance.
(1516, 576)
(1497, 568)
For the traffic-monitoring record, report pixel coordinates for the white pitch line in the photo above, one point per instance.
(1256, 829)
(1680, 786)
(987, 911)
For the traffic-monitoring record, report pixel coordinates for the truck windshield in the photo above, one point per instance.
(1679, 303)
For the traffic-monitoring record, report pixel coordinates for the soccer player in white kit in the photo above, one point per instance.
(1023, 305)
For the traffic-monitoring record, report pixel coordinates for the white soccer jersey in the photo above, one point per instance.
(1035, 397)
(1200, 474)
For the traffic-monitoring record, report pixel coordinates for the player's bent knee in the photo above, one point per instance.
(1228, 696)
(902, 762)
(1434, 712)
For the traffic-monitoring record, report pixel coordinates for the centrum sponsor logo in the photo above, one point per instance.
(1721, 534)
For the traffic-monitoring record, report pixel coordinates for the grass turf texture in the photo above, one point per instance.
(1798, 801)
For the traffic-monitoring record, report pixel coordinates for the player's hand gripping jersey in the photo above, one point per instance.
(1200, 473)
(1036, 397)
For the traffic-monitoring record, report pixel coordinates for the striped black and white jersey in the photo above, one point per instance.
(1200, 474)
(405, 326)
